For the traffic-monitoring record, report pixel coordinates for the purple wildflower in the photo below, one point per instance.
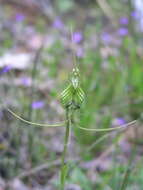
(58, 23)
(19, 17)
(79, 52)
(105, 37)
(135, 15)
(37, 104)
(119, 121)
(77, 37)
(123, 31)
(25, 81)
(124, 21)
(6, 69)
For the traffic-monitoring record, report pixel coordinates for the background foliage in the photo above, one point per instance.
(36, 56)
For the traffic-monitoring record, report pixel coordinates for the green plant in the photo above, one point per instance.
(71, 98)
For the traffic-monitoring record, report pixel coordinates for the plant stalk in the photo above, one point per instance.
(66, 141)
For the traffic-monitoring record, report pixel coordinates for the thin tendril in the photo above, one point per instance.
(109, 129)
(36, 124)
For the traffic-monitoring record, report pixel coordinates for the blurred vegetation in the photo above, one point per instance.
(110, 59)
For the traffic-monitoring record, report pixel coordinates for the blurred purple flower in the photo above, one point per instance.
(119, 121)
(123, 31)
(135, 15)
(19, 17)
(6, 69)
(58, 23)
(124, 20)
(25, 81)
(37, 104)
(105, 37)
(80, 52)
(77, 37)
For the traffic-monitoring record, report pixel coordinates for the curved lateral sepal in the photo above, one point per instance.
(36, 124)
(109, 129)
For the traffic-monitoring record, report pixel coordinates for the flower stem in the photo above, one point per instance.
(64, 166)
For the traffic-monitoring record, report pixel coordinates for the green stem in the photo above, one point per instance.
(129, 169)
(66, 141)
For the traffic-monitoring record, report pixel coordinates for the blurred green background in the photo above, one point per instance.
(36, 57)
